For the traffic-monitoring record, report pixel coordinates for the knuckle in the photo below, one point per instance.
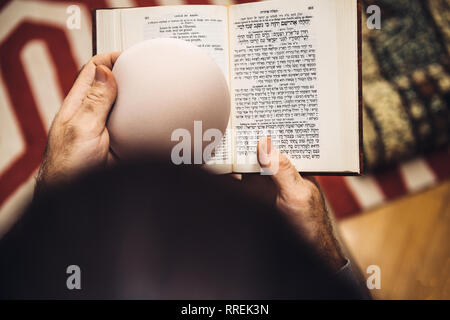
(94, 58)
(94, 98)
(70, 133)
(303, 196)
(96, 95)
(60, 120)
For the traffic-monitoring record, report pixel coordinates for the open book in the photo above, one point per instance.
(292, 69)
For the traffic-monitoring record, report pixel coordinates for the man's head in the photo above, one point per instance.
(155, 231)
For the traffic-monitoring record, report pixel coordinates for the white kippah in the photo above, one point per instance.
(163, 85)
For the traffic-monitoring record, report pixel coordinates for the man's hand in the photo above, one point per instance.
(78, 138)
(302, 202)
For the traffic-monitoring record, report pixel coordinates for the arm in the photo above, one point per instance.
(302, 202)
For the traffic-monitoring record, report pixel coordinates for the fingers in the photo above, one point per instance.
(264, 152)
(87, 74)
(106, 59)
(99, 99)
(287, 175)
(84, 82)
(282, 171)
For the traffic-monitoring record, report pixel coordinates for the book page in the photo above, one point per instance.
(283, 58)
(204, 26)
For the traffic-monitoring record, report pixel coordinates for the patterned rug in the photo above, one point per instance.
(406, 97)
(406, 87)
(406, 82)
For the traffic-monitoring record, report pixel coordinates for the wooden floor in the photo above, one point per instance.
(409, 239)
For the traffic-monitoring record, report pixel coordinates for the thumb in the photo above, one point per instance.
(282, 171)
(99, 98)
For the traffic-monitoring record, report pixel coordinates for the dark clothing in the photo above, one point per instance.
(155, 231)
